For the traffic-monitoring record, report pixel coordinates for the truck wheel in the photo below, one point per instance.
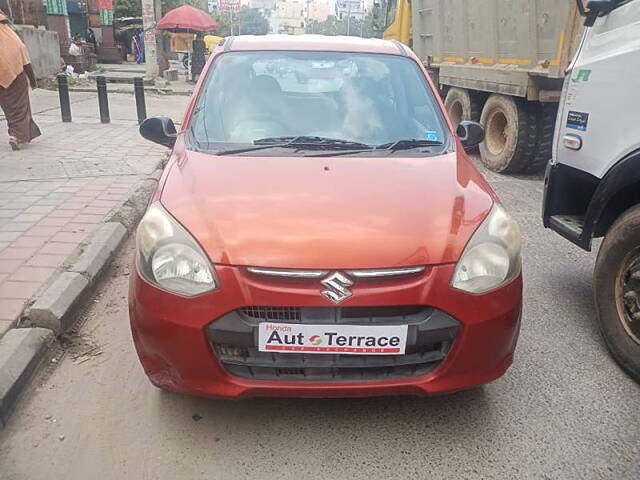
(617, 291)
(462, 105)
(546, 113)
(510, 134)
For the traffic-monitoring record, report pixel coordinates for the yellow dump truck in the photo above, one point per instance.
(499, 62)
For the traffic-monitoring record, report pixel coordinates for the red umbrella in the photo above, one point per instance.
(187, 18)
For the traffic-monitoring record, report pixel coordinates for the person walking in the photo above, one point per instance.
(198, 56)
(91, 38)
(16, 74)
(138, 46)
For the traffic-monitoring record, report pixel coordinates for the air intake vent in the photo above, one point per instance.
(431, 334)
(290, 314)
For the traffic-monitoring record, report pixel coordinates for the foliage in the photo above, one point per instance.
(223, 19)
(127, 8)
(355, 27)
(248, 21)
(171, 4)
(253, 22)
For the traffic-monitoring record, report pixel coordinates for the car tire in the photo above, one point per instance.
(461, 104)
(620, 247)
(511, 129)
(546, 114)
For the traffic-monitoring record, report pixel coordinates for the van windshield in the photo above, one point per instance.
(371, 99)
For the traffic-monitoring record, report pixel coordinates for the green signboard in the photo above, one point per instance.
(56, 7)
(106, 16)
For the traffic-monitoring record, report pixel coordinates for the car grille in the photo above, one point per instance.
(272, 313)
(293, 314)
(234, 339)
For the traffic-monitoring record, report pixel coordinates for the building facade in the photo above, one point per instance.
(289, 17)
(349, 8)
(318, 11)
(263, 5)
(24, 12)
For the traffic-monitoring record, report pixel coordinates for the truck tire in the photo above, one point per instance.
(462, 105)
(614, 291)
(546, 113)
(511, 131)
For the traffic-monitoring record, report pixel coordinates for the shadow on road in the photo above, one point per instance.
(450, 415)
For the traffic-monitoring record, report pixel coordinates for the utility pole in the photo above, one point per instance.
(348, 17)
(151, 10)
(231, 20)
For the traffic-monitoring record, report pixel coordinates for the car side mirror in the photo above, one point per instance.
(159, 130)
(595, 9)
(471, 134)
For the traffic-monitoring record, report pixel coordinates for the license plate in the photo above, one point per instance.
(332, 339)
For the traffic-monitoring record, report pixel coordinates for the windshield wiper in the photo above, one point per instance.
(385, 147)
(249, 149)
(408, 144)
(312, 141)
(301, 141)
(324, 143)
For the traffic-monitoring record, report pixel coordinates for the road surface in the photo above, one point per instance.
(563, 411)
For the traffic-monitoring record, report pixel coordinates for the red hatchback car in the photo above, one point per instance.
(320, 231)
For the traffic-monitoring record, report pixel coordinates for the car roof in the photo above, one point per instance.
(313, 42)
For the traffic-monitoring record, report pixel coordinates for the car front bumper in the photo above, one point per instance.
(173, 339)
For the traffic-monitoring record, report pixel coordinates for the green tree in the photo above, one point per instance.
(223, 19)
(252, 22)
(355, 28)
(171, 4)
(248, 21)
(127, 8)
(327, 27)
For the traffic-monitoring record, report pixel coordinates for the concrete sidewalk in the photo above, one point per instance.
(67, 201)
(57, 191)
(120, 78)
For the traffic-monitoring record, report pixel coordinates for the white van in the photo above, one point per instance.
(592, 185)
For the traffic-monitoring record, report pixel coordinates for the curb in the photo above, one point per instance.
(50, 307)
(47, 313)
(21, 350)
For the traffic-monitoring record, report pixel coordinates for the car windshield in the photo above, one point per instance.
(332, 99)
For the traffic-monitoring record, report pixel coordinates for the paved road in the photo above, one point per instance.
(563, 411)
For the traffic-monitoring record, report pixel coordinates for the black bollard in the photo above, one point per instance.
(103, 101)
(141, 107)
(63, 92)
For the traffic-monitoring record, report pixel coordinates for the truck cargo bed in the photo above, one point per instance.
(515, 47)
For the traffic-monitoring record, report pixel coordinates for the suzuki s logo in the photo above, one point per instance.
(337, 290)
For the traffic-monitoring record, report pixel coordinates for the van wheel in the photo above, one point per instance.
(511, 129)
(617, 291)
(462, 105)
(546, 113)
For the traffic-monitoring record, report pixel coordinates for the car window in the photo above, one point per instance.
(365, 98)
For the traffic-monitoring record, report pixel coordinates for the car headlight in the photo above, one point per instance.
(492, 256)
(169, 257)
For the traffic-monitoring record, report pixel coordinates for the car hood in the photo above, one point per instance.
(327, 212)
